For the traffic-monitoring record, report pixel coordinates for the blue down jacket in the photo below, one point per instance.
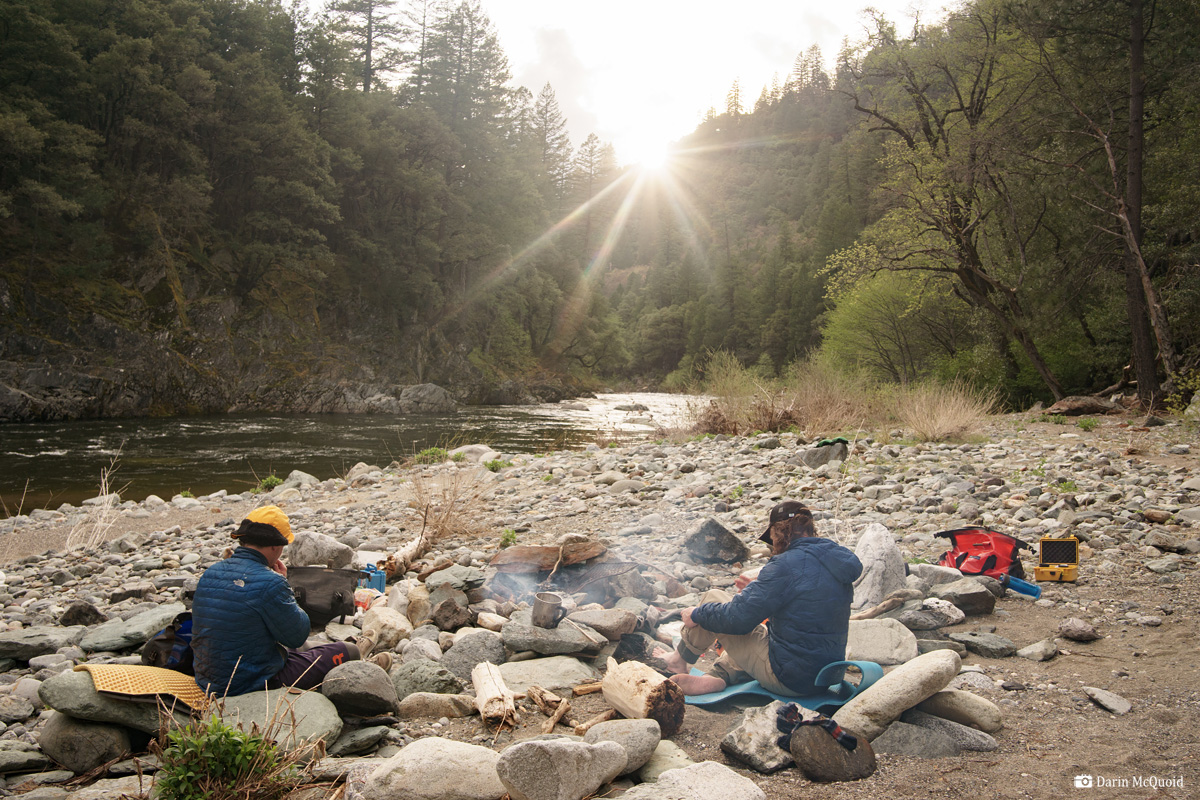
(243, 610)
(805, 592)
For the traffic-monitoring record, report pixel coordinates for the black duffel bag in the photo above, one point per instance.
(324, 593)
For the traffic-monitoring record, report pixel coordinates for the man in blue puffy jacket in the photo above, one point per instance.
(803, 592)
(246, 623)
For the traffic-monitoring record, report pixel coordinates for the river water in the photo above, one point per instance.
(43, 465)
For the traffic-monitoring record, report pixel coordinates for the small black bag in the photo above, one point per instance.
(171, 648)
(324, 593)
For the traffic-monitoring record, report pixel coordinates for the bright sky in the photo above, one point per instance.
(642, 73)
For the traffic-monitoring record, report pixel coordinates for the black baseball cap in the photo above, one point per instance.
(785, 510)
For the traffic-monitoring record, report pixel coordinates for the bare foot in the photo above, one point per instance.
(698, 684)
(672, 659)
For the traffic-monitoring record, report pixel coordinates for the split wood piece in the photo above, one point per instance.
(638, 692)
(403, 558)
(893, 600)
(604, 716)
(438, 565)
(493, 698)
(551, 705)
(587, 688)
(538, 558)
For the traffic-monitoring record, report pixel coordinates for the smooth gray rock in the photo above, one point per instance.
(707, 780)
(556, 673)
(18, 756)
(903, 739)
(612, 623)
(312, 549)
(14, 708)
(472, 649)
(969, 594)
(666, 756)
(964, 708)
(711, 542)
(83, 613)
(872, 710)
(753, 740)
(820, 456)
(423, 675)
(73, 693)
(81, 746)
(935, 574)
(359, 740)
(1108, 700)
(965, 737)
(988, 645)
(119, 634)
(931, 614)
(559, 769)
(462, 578)
(1039, 651)
(434, 768)
(883, 566)
(823, 760)
(436, 706)
(360, 688)
(426, 397)
(884, 641)
(1078, 630)
(38, 641)
(299, 717)
(639, 737)
(563, 640)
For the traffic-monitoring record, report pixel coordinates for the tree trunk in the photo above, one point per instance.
(638, 692)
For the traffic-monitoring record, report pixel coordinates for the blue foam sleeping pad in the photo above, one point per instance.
(838, 691)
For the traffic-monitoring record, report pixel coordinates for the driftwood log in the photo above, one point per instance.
(495, 702)
(638, 692)
(538, 558)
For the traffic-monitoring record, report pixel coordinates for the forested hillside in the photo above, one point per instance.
(216, 204)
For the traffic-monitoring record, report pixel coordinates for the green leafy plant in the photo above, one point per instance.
(186, 493)
(737, 492)
(458, 458)
(267, 484)
(431, 455)
(1088, 424)
(496, 464)
(508, 538)
(209, 760)
(1065, 486)
(1058, 419)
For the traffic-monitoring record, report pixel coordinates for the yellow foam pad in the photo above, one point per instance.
(143, 683)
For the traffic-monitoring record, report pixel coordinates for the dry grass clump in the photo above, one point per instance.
(826, 399)
(936, 412)
(93, 528)
(739, 401)
(452, 502)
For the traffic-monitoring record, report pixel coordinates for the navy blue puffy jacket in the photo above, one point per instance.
(243, 610)
(805, 592)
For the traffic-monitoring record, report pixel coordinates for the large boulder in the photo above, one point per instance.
(41, 640)
(74, 694)
(559, 769)
(880, 704)
(360, 688)
(81, 746)
(556, 673)
(434, 768)
(823, 760)
(298, 717)
(883, 566)
(426, 397)
(884, 641)
(122, 634)
(312, 549)
(711, 542)
(639, 737)
(707, 780)
(754, 740)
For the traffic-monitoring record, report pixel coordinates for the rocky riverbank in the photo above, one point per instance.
(1096, 677)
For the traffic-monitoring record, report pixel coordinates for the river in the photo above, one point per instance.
(43, 465)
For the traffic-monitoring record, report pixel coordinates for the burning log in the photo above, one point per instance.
(495, 702)
(638, 692)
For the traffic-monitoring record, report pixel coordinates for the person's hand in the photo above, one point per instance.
(279, 567)
(742, 581)
(686, 616)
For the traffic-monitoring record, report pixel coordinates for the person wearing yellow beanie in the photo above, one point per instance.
(247, 626)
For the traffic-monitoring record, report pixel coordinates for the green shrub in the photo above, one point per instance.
(209, 760)
(508, 538)
(458, 458)
(186, 493)
(1058, 419)
(432, 455)
(496, 464)
(1088, 424)
(270, 482)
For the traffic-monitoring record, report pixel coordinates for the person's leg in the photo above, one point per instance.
(750, 655)
(306, 670)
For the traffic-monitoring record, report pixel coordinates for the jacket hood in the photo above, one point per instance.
(841, 562)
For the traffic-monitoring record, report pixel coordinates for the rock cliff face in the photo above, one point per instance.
(57, 363)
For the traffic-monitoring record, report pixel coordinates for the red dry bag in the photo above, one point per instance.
(978, 551)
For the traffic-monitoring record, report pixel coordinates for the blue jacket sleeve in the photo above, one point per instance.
(286, 621)
(749, 607)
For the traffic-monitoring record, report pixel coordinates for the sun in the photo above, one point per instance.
(648, 154)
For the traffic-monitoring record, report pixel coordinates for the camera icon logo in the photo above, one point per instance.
(1084, 782)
